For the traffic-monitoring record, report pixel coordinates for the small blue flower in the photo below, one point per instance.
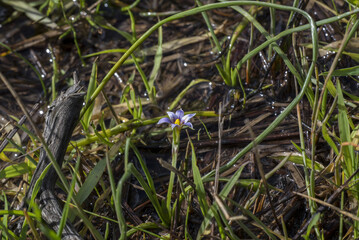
(178, 119)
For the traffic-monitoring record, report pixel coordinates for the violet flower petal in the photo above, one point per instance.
(174, 125)
(189, 125)
(172, 116)
(164, 120)
(180, 114)
(186, 118)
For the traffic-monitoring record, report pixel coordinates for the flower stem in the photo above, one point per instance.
(175, 148)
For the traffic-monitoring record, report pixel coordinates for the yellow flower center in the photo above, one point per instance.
(177, 121)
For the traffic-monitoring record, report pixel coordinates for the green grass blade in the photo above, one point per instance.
(143, 75)
(144, 167)
(351, 71)
(120, 217)
(209, 26)
(3, 198)
(115, 50)
(143, 228)
(90, 90)
(31, 12)
(344, 133)
(114, 195)
(91, 181)
(66, 207)
(16, 170)
(151, 194)
(96, 174)
(201, 193)
(156, 66)
(7, 233)
(184, 91)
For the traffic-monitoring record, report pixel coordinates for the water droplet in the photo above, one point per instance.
(118, 78)
(185, 64)
(42, 75)
(41, 112)
(50, 60)
(48, 51)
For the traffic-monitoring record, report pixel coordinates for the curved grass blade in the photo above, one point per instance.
(31, 12)
(91, 88)
(184, 91)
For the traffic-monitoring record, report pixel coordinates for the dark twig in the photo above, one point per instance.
(61, 120)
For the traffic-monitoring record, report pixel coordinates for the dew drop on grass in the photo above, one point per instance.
(42, 75)
(41, 112)
(185, 64)
(48, 51)
(118, 78)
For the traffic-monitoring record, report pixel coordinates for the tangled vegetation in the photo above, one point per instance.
(201, 119)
